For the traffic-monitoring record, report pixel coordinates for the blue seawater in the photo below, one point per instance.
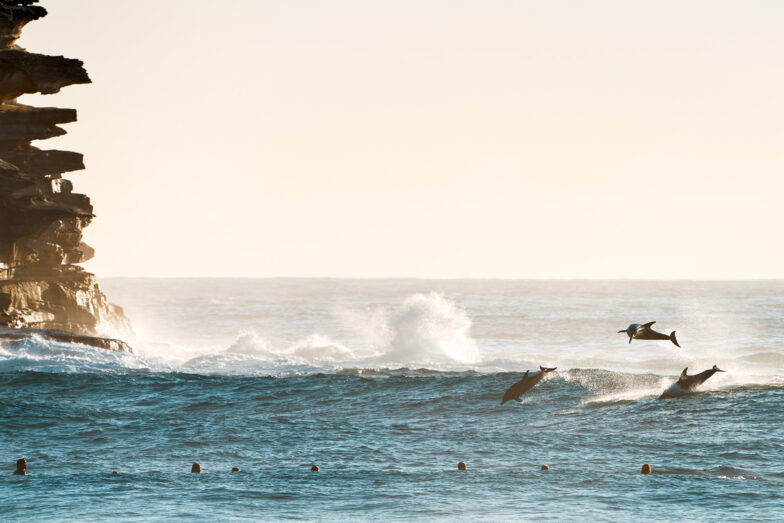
(387, 385)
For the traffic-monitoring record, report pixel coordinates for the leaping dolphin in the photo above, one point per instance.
(688, 383)
(524, 385)
(635, 331)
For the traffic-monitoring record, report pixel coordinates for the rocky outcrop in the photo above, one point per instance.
(16, 335)
(13, 17)
(41, 217)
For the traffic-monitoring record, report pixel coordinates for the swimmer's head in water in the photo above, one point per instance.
(21, 466)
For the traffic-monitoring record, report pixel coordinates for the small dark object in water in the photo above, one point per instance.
(545, 467)
(196, 468)
(235, 469)
(461, 466)
(646, 469)
(114, 472)
(315, 468)
(21, 467)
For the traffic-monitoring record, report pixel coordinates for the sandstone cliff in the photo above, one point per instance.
(41, 218)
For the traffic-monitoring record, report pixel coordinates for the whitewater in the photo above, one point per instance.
(387, 384)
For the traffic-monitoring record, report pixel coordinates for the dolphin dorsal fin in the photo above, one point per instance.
(683, 374)
(524, 376)
(648, 325)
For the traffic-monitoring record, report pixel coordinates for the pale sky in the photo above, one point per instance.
(501, 139)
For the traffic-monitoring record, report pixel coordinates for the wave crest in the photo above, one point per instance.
(430, 328)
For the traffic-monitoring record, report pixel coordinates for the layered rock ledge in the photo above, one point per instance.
(42, 287)
(16, 335)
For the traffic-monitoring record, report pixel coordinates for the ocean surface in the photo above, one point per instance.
(387, 385)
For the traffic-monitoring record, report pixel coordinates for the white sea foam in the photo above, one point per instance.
(425, 329)
(298, 329)
(429, 328)
(41, 355)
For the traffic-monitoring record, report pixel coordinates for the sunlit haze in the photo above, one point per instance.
(445, 139)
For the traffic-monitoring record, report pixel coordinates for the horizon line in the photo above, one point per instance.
(470, 278)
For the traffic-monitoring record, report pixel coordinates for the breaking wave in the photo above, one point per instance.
(424, 331)
(430, 328)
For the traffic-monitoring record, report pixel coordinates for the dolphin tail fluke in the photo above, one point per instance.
(674, 339)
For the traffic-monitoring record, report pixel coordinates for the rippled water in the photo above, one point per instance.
(386, 385)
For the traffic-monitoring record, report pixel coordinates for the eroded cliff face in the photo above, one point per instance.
(41, 218)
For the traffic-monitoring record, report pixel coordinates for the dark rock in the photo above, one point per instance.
(13, 17)
(26, 73)
(42, 291)
(6, 168)
(111, 344)
(22, 123)
(35, 162)
(64, 298)
(18, 114)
